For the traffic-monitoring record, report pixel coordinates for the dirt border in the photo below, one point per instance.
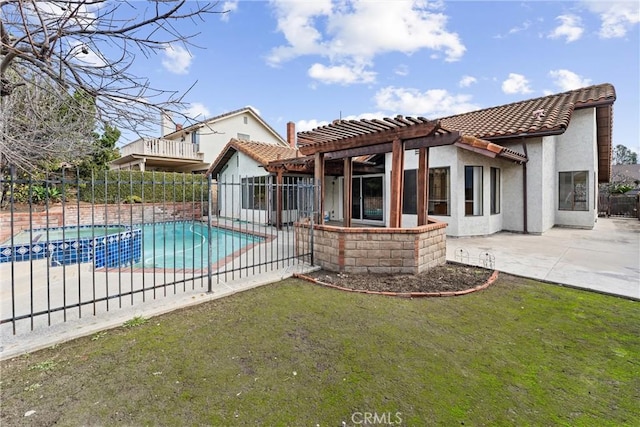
(490, 280)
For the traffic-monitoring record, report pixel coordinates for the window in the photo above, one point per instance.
(573, 192)
(495, 191)
(473, 190)
(244, 137)
(254, 192)
(410, 192)
(439, 191)
(195, 137)
(290, 189)
(245, 120)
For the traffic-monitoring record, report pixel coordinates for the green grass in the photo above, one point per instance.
(519, 353)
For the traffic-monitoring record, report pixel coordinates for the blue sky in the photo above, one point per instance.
(311, 62)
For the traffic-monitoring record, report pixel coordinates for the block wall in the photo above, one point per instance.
(375, 250)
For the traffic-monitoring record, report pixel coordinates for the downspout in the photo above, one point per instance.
(524, 188)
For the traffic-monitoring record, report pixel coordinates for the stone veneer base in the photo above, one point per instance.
(375, 249)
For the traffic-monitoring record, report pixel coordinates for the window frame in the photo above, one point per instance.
(495, 201)
(255, 189)
(572, 194)
(474, 188)
(431, 209)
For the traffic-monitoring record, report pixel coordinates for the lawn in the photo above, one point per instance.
(519, 353)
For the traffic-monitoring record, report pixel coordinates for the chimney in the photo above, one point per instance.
(166, 123)
(291, 134)
(178, 126)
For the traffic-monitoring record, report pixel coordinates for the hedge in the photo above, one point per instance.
(134, 187)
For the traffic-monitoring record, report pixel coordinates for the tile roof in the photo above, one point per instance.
(489, 149)
(261, 152)
(545, 115)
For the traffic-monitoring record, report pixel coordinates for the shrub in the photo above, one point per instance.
(148, 187)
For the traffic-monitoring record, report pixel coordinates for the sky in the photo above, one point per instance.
(312, 62)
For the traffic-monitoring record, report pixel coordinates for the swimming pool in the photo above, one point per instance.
(170, 245)
(184, 244)
(105, 246)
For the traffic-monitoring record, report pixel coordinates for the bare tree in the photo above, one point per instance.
(52, 50)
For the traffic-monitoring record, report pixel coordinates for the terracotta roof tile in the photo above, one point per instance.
(540, 115)
(261, 152)
(489, 148)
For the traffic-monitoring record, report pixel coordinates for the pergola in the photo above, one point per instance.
(347, 139)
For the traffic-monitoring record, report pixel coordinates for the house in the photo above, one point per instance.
(193, 148)
(248, 172)
(523, 167)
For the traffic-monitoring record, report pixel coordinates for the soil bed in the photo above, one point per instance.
(445, 278)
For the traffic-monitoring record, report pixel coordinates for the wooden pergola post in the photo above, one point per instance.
(279, 184)
(318, 186)
(397, 183)
(347, 192)
(423, 185)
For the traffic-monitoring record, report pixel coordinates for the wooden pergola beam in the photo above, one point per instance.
(321, 143)
(397, 183)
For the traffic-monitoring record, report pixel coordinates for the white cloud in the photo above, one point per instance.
(568, 80)
(304, 125)
(516, 83)
(525, 25)
(229, 7)
(467, 81)
(197, 111)
(570, 28)
(177, 59)
(432, 103)
(341, 74)
(617, 17)
(355, 32)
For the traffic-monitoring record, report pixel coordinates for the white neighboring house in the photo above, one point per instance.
(521, 167)
(245, 189)
(193, 148)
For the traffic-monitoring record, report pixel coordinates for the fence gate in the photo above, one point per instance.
(74, 246)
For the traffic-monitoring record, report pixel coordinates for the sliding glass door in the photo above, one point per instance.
(368, 198)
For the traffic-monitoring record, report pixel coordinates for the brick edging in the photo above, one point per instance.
(490, 280)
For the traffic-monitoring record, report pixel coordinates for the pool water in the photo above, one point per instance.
(184, 244)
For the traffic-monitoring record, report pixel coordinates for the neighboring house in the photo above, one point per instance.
(245, 189)
(522, 167)
(193, 148)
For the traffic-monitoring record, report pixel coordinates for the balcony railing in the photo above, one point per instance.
(162, 148)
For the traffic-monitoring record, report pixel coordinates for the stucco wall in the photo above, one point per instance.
(213, 140)
(375, 250)
(458, 224)
(576, 151)
(230, 192)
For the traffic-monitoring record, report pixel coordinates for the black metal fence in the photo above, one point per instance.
(73, 246)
